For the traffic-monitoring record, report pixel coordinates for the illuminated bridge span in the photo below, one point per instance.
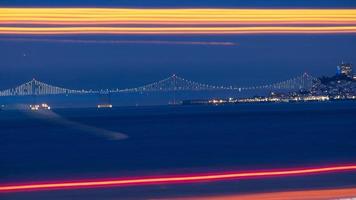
(35, 87)
(172, 83)
(176, 83)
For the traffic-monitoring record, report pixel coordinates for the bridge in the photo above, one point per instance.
(169, 84)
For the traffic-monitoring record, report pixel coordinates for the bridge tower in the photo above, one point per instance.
(174, 84)
(34, 91)
(174, 88)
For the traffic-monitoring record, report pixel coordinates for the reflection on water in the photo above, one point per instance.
(60, 120)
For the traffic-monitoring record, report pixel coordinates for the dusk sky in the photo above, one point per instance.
(127, 60)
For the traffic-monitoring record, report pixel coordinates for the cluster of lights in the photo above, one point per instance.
(217, 101)
(269, 99)
(285, 99)
(40, 106)
(316, 98)
(341, 97)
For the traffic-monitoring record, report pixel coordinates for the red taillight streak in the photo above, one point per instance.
(172, 179)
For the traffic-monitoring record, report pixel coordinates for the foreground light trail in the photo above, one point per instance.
(174, 179)
(59, 21)
(325, 194)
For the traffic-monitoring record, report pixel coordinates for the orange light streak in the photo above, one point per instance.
(173, 30)
(160, 22)
(185, 18)
(48, 21)
(174, 179)
(324, 194)
(192, 11)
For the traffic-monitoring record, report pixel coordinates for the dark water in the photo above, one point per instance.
(174, 139)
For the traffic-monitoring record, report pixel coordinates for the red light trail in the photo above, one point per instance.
(174, 179)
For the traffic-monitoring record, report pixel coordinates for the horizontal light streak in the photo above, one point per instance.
(174, 179)
(323, 194)
(173, 30)
(195, 11)
(172, 23)
(175, 21)
(163, 18)
(164, 42)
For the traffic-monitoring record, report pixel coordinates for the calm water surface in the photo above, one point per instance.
(177, 139)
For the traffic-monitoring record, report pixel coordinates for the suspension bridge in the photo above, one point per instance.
(170, 84)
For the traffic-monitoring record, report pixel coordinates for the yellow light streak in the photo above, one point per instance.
(184, 21)
(172, 30)
(157, 22)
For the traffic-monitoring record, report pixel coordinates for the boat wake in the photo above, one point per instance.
(53, 117)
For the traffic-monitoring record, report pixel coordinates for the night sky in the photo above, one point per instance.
(253, 60)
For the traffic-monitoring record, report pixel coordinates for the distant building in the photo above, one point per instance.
(345, 69)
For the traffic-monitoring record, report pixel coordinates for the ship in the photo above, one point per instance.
(42, 106)
(104, 106)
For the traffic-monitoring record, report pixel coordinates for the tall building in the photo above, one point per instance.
(345, 69)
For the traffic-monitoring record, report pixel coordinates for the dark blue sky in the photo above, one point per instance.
(256, 58)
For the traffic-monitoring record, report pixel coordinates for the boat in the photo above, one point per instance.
(104, 106)
(42, 106)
